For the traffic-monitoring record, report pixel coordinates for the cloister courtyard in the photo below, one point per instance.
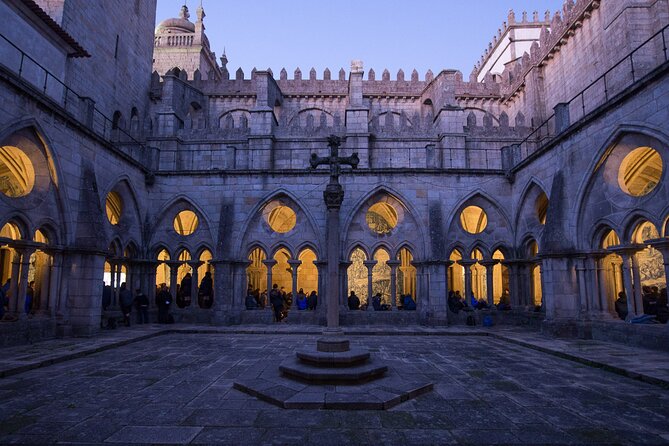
(491, 386)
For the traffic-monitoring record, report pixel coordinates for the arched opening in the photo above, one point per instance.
(611, 264)
(114, 207)
(456, 273)
(406, 276)
(357, 274)
(640, 171)
(473, 219)
(186, 222)
(381, 218)
(205, 290)
(479, 283)
(282, 271)
(380, 277)
(536, 293)
(256, 272)
(17, 174)
(39, 276)
(307, 273)
(184, 280)
(541, 207)
(500, 274)
(651, 261)
(134, 120)
(163, 269)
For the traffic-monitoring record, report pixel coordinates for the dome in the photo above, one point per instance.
(175, 25)
(179, 24)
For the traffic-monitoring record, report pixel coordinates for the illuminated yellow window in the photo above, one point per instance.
(473, 219)
(114, 206)
(281, 218)
(381, 218)
(186, 222)
(17, 175)
(541, 207)
(640, 171)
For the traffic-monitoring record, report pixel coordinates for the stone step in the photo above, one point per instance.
(356, 374)
(333, 359)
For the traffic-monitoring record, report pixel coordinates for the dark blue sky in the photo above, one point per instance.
(393, 34)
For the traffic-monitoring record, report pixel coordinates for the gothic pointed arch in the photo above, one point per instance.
(130, 221)
(47, 197)
(398, 226)
(300, 115)
(632, 221)
(599, 230)
(532, 207)
(301, 229)
(164, 229)
(497, 226)
(600, 192)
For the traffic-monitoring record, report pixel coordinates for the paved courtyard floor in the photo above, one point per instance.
(177, 388)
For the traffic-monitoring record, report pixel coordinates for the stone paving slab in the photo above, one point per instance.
(177, 388)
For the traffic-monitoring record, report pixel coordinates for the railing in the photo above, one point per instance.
(645, 58)
(296, 159)
(78, 107)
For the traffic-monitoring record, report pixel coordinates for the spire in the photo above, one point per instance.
(184, 14)
(200, 13)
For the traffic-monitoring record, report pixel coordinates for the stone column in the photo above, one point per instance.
(54, 282)
(45, 280)
(117, 290)
(322, 271)
(150, 283)
(370, 266)
(269, 264)
(514, 298)
(583, 292)
(294, 265)
(23, 282)
(174, 269)
(636, 274)
(489, 265)
(239, 284)
(467, 265)
(627, 252)
(222, 278)
(422, 283)
(393, 264)
(14, 284)
(195, 282)
(605, 309)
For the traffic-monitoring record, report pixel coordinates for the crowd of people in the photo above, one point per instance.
(280, 301)
(457, 303)
(407, 303)
(654, 301)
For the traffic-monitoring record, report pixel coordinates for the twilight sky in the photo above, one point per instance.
(393, 34)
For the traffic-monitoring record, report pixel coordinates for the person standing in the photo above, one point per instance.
(163, 301)
(125, 296)
(142, 303)
(205, 291)
(353, 301)
(276, 300)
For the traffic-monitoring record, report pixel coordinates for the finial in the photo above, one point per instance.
(184, 14)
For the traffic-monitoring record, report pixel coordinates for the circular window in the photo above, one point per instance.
(381, 218)
(185, 223)
(541, 206)
(473, 219)
(17, 175)
(114, 206)
(281, 219)
(640, 171)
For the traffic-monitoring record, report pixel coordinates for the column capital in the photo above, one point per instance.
(370, 263)
(393, 263)
(173, 263)
(269, 263)
(488, 263)
(294, 262)
(195, 263)
(467, 262)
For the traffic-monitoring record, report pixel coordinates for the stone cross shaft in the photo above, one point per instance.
(334, 196)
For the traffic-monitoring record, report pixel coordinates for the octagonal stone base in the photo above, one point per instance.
(381, 394)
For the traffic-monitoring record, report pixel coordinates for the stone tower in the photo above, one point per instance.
(180, 43)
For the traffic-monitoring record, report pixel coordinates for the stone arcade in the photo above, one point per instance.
(129, 154)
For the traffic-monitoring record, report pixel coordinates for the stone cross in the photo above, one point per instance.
(333, 195)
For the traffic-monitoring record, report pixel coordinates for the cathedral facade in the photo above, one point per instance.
(134, 155)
